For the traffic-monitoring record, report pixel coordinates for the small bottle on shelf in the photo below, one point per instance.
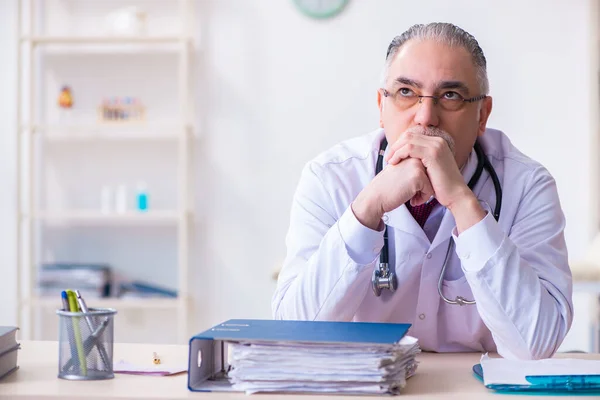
(121, 199)
(142, 197)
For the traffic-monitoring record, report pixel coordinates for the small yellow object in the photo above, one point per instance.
(65, 98)
(155, 359)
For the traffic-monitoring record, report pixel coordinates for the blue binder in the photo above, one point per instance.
(548, 384)
(207, 368)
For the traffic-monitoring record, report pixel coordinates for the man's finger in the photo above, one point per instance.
(408, 138)
(409, 150)
(423, 195)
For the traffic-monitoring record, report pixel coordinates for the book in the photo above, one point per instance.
(8, 338)
(302, 356)
(8, 350)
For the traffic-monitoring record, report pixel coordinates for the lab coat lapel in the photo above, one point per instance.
(402, 219)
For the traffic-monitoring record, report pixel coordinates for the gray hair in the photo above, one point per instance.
(448, 34)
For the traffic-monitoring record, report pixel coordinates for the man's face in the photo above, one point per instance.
(432, 69)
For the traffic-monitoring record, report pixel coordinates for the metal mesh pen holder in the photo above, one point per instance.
(85, 343)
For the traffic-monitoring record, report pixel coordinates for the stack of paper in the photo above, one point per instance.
(361, 368)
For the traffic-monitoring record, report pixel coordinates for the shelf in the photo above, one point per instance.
(109, 126)
(117, 45)
(108, 137)
(150, 303)
(130, 131)
(110, 131)
(105, 39)
(92, 217)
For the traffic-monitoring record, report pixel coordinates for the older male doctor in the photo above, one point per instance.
(507, 282)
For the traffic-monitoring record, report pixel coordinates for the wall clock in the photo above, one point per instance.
(321, 9)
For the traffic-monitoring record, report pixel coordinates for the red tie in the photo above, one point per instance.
(421, 213)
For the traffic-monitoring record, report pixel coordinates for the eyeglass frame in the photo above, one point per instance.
(436, 99)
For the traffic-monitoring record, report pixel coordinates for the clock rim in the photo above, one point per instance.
(318, 15)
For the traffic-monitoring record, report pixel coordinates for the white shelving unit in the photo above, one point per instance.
(98, 218)
(120, 304)
(34, 132)
(104, 39)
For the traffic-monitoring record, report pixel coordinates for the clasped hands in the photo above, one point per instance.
(419, 165)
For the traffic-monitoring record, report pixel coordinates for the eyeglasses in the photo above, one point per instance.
(449, 101)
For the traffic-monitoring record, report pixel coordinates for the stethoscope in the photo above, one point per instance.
(383, 278)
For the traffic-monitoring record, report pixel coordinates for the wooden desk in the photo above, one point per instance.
(439, 376)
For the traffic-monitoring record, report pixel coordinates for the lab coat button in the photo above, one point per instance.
(466, 256)
(421, 316)
(386, 218)
(428, 255)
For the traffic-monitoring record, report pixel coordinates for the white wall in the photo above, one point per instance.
(275, 88)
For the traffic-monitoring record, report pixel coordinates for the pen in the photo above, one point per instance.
(69, 325)
(77, 331)
(90, 341)
(65, 300)
(90, 324)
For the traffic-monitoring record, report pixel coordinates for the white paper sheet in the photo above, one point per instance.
(503, 371)
(124, 367)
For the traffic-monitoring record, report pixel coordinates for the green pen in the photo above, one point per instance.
(74, 308)
(69, 325)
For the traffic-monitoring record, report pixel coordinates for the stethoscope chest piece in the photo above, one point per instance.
(383, 279)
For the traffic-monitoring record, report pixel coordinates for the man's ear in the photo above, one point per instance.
(380, 105)
(484, 114)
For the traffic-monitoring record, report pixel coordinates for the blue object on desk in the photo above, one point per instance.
(208, 353)
(306, 331)
(548, 384)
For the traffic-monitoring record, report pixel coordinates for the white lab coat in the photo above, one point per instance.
(515, 269)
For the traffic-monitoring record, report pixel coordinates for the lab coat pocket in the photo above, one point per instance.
(461, 324)
(456, 287)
